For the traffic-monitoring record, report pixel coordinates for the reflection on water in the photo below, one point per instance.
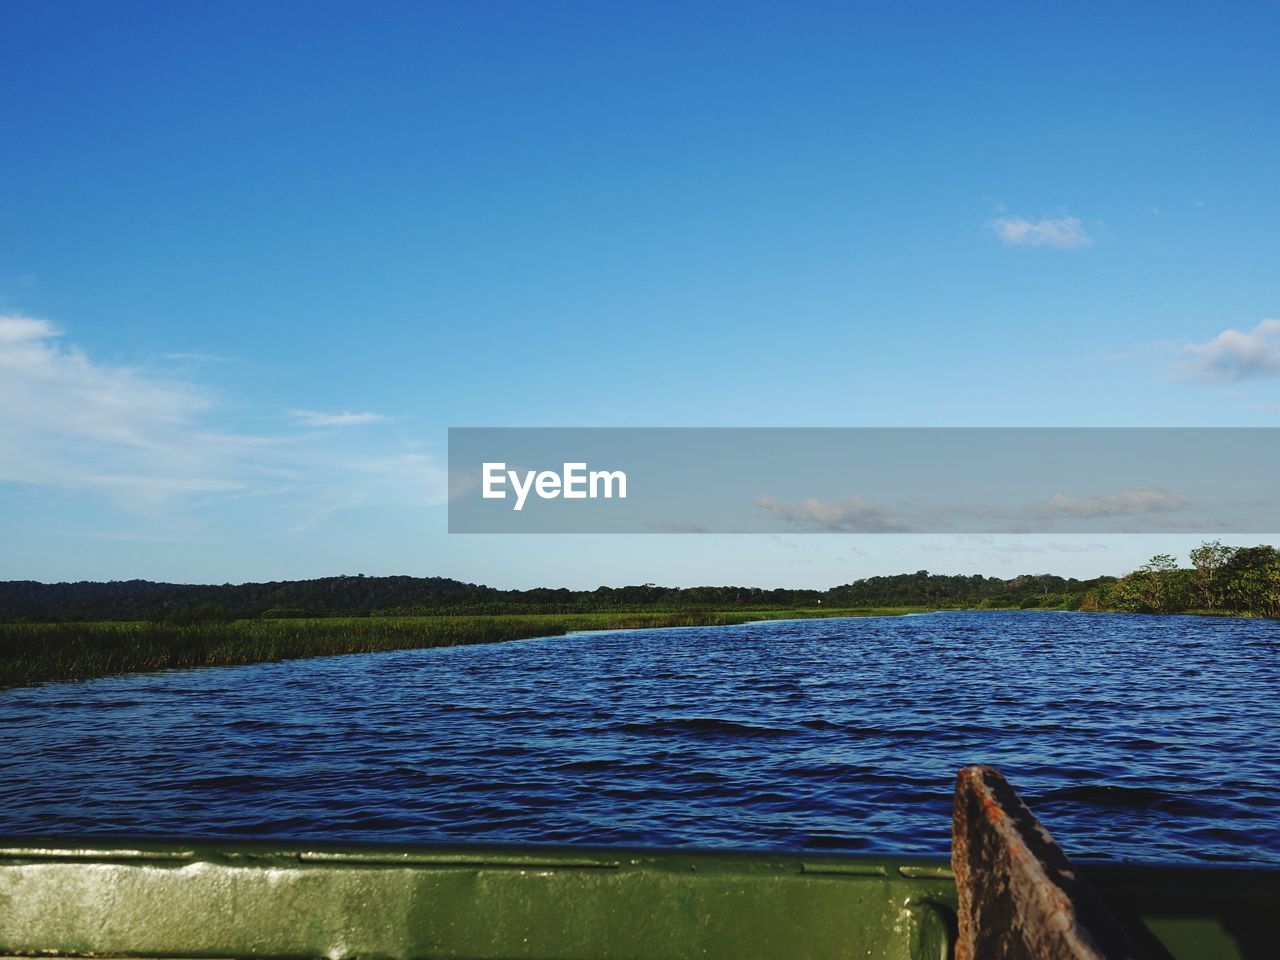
(1141, 738)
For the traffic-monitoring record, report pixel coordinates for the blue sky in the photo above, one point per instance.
(256, 258)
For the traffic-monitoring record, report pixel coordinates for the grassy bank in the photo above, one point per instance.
(37, 652)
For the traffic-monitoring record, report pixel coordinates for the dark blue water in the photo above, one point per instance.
(1136, 738)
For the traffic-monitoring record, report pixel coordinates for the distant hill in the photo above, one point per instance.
(361, 596)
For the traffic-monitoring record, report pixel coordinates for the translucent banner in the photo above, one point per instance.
(864, 480)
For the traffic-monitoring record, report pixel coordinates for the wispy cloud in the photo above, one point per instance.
(314, 418)
(857, 515)
(1233, 355)
(152, 444)
(185, 357)
(1128, 503)
(1065, 233)
(854, 515)
(1015, 544)
(69, 422)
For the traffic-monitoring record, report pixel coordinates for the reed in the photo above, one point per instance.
(38, 652)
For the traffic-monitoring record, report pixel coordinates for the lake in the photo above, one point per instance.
(1137, 738)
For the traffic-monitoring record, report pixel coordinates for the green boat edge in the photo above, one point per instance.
(292, 900)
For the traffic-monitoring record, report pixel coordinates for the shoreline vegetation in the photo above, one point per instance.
(71, 631)
(32, 653)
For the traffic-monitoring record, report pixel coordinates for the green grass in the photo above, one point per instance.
(38, 652)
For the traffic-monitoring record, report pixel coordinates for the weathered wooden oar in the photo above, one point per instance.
(1020, 898)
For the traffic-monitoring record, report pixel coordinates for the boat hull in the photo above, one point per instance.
(284, 900)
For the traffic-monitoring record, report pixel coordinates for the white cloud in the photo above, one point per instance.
(69, 422)
(346, 418)
(1140, 501)
(1233, 355)
(19, 329)
(1066, 233)
(854, 515)
(150, 443)
(857, 515)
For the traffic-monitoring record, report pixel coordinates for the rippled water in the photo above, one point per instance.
(1141, 738)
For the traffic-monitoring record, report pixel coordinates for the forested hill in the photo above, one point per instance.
(360, 595)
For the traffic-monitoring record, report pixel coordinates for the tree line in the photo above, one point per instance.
(433, 596)
(1221, 579)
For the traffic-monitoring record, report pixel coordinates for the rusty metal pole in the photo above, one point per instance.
(1020, 897)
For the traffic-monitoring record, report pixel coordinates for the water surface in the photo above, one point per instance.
(1133, 738)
